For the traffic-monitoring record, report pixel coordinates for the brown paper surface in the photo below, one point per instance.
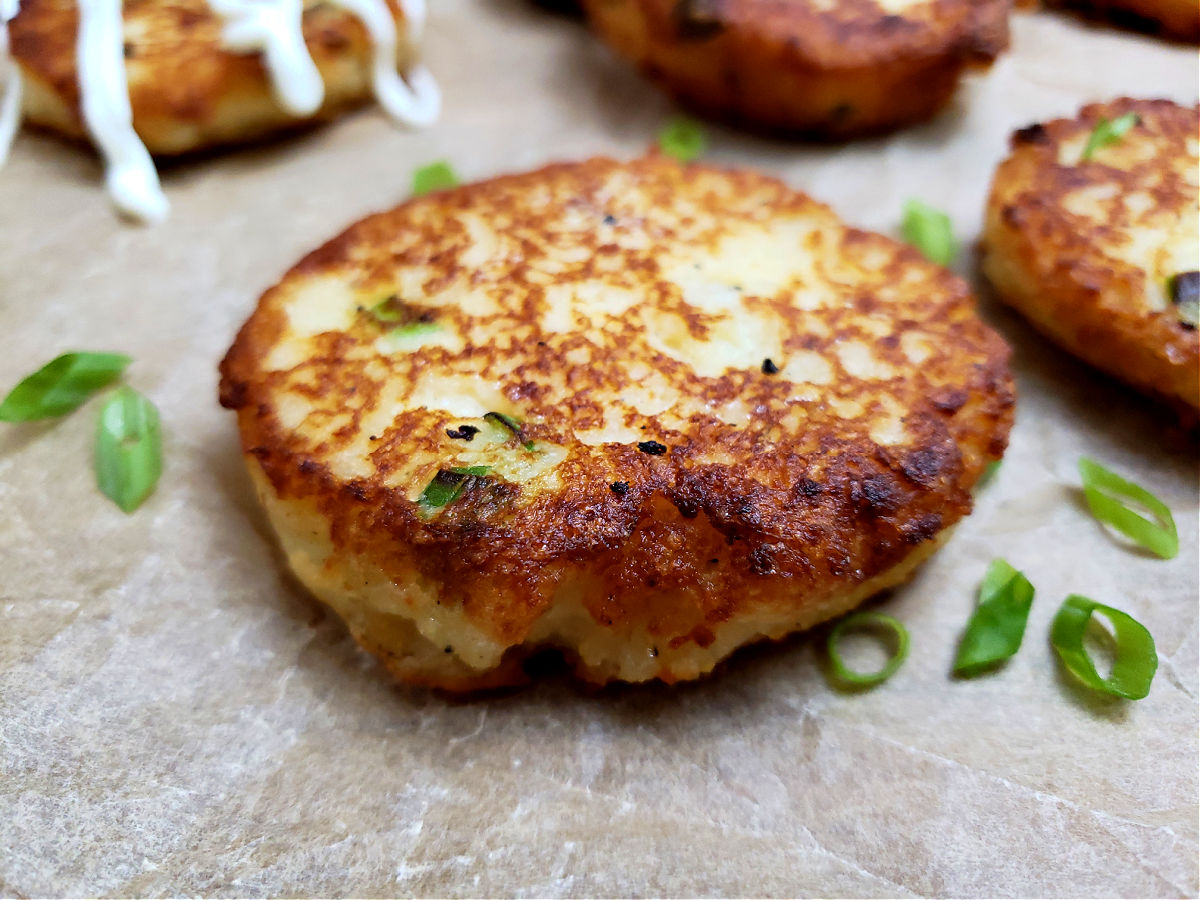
(178, 717)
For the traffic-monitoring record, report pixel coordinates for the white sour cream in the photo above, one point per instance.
(416, 101)
(130, 174)
(10, 83)
(273, 28)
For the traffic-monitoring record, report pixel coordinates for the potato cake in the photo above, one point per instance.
(1179, 19)
(828, 68)
(640, 412)
(1092, 233)
(190, 85)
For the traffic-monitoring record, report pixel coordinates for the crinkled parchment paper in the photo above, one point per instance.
(176, 716)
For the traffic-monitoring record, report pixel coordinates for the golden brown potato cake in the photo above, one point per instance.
(640, 412)
(186, 90)
(1169, 18)
(1102, 254)
(832, 68)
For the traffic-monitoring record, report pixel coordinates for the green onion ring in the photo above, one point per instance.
(867, 621)
(1136, 660)
(1105, 490)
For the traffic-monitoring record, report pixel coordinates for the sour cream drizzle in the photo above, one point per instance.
(10, 83)
(131, 177)
(270, 27)
(416, 101)
(273, 28)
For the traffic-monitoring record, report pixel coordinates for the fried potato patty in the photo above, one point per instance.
(1102, 254)
(1170, 18)
(640, 412)
(186, 90)
(832, 68)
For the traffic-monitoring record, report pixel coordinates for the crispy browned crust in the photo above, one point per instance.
(794, 517)
(186, 91)
(830, 70)
(1179, 19)
(1062, 268)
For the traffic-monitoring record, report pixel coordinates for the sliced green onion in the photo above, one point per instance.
(683, 138)
(415, 329)
(989, 472)
(447, 486)
(1105, 492)
(929, 231)
(1184, 289)
(1135, 660)
(128, 448)
(61, 386)
(473, 470)
(1108, 131)
(385, 311)
(437, 176)
(868, 621)
(998, 623)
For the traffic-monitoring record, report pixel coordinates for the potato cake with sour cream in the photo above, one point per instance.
(829, 68)
(640, 412)
(1100, 247)
(189, 86)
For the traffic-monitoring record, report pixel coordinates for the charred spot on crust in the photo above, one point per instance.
(878, 495)
(697, 20)
(654, 448)
(923, 466)
(1031, 134)
(769, 367)
(922, 528)
(806, 487)
(462, 433)
(761, 560)
(950, 400)
(620, 488)
(232, 394)
(687, 508)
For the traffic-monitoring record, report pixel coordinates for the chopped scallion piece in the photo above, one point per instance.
(867, 621)
(128, 448)
(385, 311)
(1108, 131)
(1106, 493)
(507, 422)
(437, 176)
(683, 138)
(998, 623)
(447, 485)
(1135, 660)
(415, 329)
(988, 474)
(1184, 289)
(929, 231)
(61, 386)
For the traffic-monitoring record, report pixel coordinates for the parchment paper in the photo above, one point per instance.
(178, 717)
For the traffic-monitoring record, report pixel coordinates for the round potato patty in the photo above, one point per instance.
(1102, 253)
(187, 89)
(639, 412)
(1170, 18)
(829, 68)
